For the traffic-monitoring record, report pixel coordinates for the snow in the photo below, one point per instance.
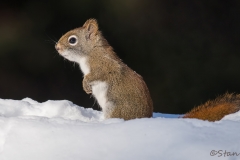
(61, 130)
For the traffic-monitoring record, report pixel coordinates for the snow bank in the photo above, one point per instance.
(50, 109)
(60, 130)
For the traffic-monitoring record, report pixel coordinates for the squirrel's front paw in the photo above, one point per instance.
(86, 87)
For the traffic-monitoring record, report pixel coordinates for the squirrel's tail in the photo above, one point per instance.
(215, 110)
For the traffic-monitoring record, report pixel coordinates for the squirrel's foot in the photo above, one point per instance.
(86, 87)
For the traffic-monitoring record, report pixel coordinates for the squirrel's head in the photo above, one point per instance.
(79, 41)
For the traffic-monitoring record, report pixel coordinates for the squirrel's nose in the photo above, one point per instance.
(57, 47)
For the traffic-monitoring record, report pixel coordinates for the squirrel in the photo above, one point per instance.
(120, 91)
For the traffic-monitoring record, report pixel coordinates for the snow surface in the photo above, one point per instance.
(61, 130)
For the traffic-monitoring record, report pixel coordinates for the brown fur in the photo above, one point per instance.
(215, 110)
(126, 90)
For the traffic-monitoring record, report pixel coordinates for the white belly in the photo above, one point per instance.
(84, 65)
(99, 90)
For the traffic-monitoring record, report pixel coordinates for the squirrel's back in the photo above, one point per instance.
(216, 109)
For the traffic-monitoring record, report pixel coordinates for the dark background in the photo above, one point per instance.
(187, 51)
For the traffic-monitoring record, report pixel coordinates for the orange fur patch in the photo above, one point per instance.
(215, 110)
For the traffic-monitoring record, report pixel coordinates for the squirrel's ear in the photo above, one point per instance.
(91, 26)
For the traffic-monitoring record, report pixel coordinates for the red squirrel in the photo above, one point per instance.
(120, 91)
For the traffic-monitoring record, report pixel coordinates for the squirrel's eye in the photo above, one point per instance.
(72, 40)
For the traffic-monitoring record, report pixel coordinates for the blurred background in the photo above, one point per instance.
(187, 51)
